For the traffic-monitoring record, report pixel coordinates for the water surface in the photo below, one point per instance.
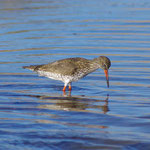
(34, 112)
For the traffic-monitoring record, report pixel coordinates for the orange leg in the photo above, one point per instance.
(64, 89)
(70, 87)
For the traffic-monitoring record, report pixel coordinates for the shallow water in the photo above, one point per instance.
(34, 112)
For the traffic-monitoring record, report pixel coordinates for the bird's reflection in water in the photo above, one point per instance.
(72, 103)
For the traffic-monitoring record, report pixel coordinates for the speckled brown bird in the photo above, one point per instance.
(72, 69)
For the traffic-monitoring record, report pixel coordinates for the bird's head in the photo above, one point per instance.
(104, 63)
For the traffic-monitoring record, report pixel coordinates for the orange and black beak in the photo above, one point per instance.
(107, 78)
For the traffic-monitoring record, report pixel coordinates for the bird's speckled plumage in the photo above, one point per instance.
(70, 69)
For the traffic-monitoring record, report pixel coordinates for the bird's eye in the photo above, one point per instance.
(104, 66)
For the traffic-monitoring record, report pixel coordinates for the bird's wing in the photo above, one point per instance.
(59, 67)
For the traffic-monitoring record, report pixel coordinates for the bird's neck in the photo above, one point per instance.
(94, 65)
(95, 62)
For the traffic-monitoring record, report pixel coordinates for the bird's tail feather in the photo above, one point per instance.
(32, 67)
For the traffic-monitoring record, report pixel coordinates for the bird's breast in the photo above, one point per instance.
(57, 76)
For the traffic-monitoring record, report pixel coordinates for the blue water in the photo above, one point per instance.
(34, 112)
